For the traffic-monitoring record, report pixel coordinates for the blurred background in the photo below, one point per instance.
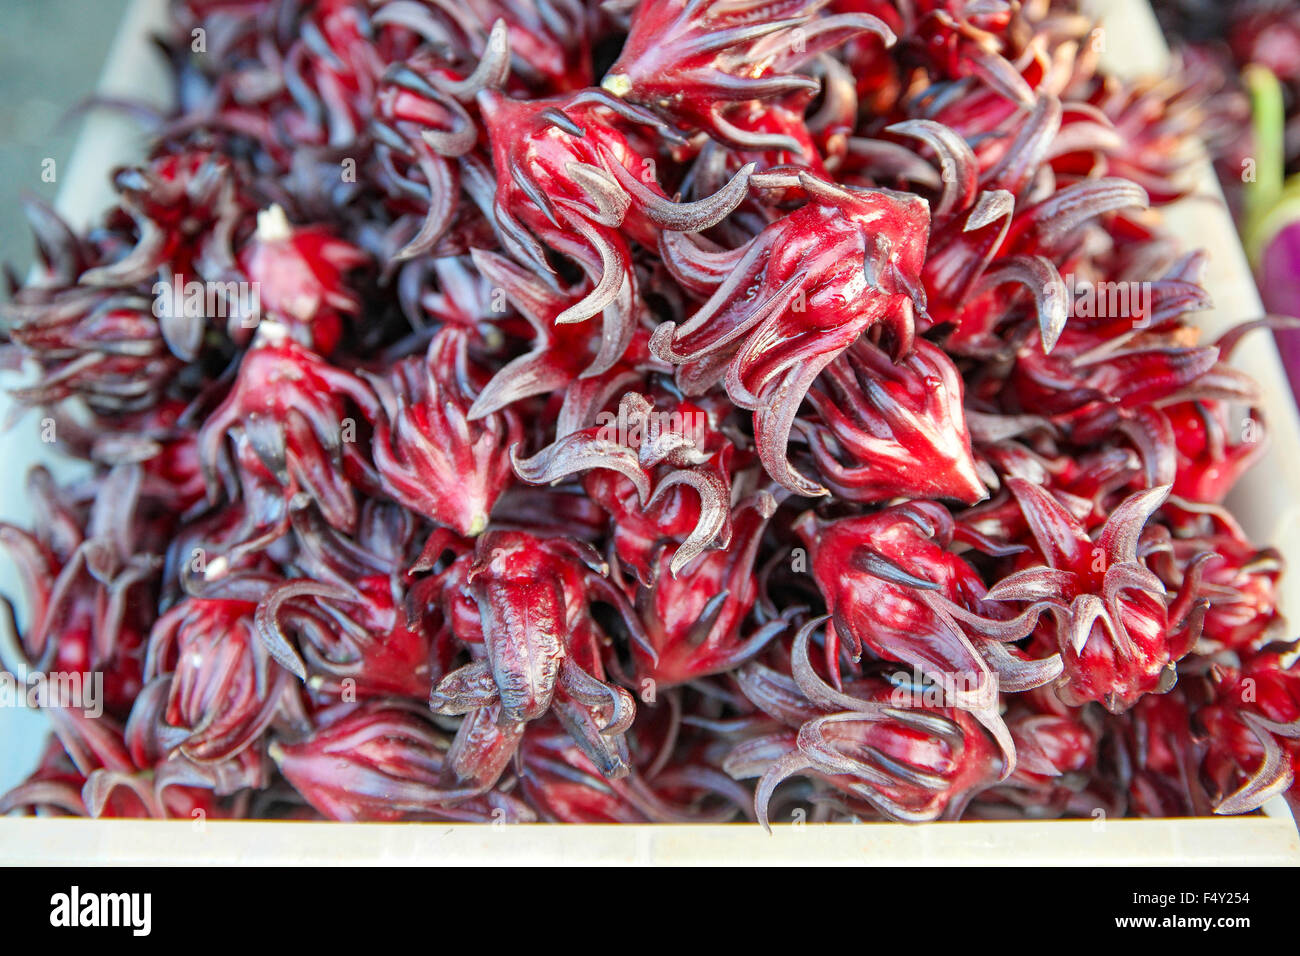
(51, 54)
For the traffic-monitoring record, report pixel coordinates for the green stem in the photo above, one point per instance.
(1269, 114)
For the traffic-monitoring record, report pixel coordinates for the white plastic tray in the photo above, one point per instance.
(1265, 501)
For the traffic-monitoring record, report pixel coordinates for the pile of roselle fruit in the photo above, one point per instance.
(669, 411)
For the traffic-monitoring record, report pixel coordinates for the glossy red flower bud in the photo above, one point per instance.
(1118, 631)
(891, 430)
(794, 298)
(288, 416)
(892, 586)
(695, 619)
(380, 761)
(543, 650)
(695, 61)
(568, 176)
(1252, 732)
(662, 454)
(906, 762)
(429, 455)
(222, 687)
(300, 273)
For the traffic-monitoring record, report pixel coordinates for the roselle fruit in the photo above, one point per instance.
(300, 278)
(380, 762)
(683, 411)
(695, 619)
(542, 649)
(675, 461)
(900, 426)
(223, 688)
(1124, 634)
(432, 458)
(903, 762)
(821, 276)
(693, 60)
(893, 588)
(288, 420)
(1252, 732)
